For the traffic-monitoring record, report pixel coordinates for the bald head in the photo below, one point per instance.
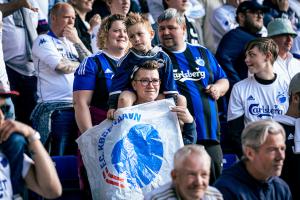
(62, 15)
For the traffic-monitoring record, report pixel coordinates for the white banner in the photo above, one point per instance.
(133, 154)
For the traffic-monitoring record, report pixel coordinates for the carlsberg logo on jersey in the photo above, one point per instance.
(268, 110)
(264, 111)
(188, 75)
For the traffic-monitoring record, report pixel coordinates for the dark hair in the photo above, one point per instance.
(264, 45)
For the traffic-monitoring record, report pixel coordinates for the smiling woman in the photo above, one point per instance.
(146, 83)
(93, 77)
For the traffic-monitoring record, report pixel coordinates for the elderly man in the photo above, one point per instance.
(56, 56)
(199, 78)
(256, 175)
(230, 52)
(291, 124)
(281, 31)
(190, 177)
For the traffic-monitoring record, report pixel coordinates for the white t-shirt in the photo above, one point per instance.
(5, 183)
(47, 53)
(287, 68)
(258, 101)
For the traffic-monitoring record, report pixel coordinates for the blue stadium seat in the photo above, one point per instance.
(66, 167)
(228, 160)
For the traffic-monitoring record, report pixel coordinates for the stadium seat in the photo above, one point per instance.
(228, 160)
(66, 167)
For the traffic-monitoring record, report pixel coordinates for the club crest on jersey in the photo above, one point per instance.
(264, 111)
(281, 98)
(199, 61)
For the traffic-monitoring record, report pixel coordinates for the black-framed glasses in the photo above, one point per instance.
(146, 82)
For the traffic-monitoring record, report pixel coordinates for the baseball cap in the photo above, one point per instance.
(281, 26)
(5, 90)
(250, 5)
(295, 84)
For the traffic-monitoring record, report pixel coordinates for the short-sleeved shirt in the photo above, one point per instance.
(95, 73)
(6, 191)
(193, 73)
(168, 192)
(258, 101)
(48, 50)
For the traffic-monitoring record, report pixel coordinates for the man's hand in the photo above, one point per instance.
(10, 126)
(71, 34)
(213, 91)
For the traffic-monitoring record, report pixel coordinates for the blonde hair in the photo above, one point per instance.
(104, 29)
(135, 18)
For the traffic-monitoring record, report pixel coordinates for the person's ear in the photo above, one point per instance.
(152, 34)
(295, 98)
(241, 18)
(249, 153)
(173, 175)
(184, 27)
(269, 56)
(133, 83)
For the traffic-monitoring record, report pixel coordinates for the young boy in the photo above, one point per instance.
(261, 96)
(140, 34)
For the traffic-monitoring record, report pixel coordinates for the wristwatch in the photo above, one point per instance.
(33, 137)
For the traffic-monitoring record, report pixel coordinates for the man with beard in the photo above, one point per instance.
(291, 124)
(256, 175)
(230, 53)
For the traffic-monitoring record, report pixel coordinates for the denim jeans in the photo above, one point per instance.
(13, 149)
(27, 87)
(63, 132)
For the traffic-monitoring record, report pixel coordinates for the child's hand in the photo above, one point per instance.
(183, 114)
(110, 114)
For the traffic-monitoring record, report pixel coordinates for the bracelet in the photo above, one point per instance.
(33, 137)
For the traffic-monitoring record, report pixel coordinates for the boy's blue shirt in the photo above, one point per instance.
(121, 81)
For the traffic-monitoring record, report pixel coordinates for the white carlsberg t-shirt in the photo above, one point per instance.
(258, 101)
(5, 183)
(48, 51)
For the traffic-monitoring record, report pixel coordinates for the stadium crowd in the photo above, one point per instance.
(231, 66)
